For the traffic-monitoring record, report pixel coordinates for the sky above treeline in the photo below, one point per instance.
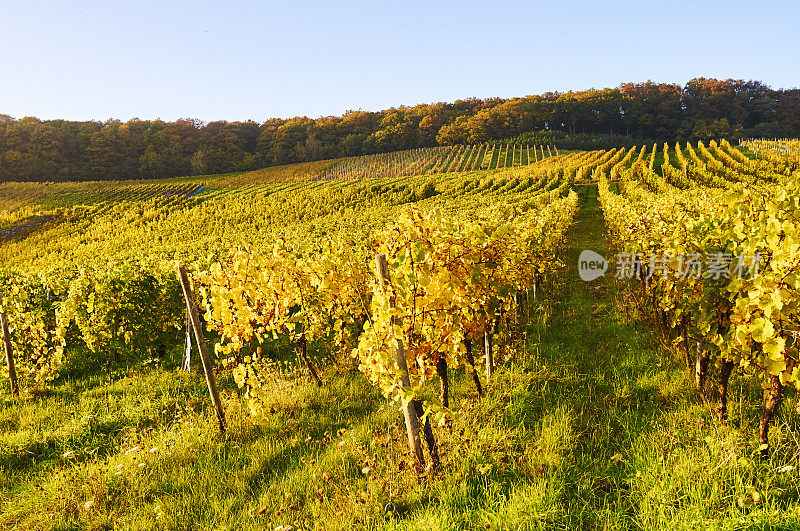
(234, 61)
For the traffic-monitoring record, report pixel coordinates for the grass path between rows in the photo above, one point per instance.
(604, 372)
(647, 453)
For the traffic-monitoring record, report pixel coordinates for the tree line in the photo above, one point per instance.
(702, 109)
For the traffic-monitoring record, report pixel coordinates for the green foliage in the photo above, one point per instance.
(60, 150)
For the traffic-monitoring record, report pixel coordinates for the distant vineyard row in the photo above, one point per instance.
(448, 159)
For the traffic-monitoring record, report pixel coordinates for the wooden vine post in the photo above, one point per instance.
(412, 424)
(701, 368)
(487, 348)
(12, 372)
(187, 351)
(205, 359)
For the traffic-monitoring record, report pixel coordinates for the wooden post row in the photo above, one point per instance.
(194, 316)
(12, 372)
(412, 424)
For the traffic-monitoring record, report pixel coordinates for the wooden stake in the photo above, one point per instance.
(701, 368)
(187, 351)
(12, 372)
(412, 423)
(201, 346)
(487, 347)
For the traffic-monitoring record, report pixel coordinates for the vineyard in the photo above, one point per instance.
(403, 341)
(461, 158)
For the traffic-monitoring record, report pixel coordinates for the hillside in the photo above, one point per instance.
(633, 401)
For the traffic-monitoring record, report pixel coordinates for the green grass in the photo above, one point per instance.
(588, 424)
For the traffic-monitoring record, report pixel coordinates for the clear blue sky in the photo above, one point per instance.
(256, 60)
